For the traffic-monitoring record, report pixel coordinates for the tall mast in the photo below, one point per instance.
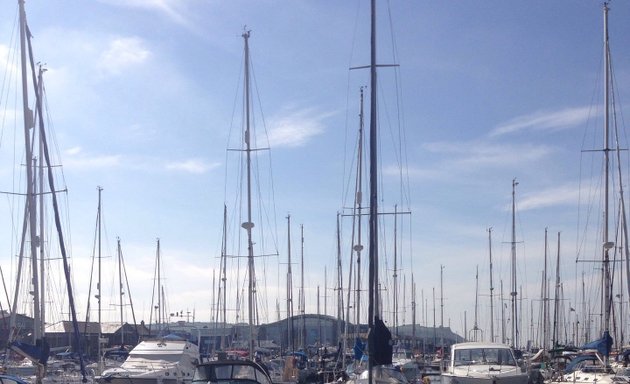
(224, 276)
(607, 243)
(302, 295)
(442, 316)
(556, 302)
(515, 334)
(373, 308)
(121, 291)
(491, 287)
(545, 317)
(290, 341)
(358, 247)
(502, 314)
(248, 225)
(476, 325)
(100, 275)
(413, 311)
(396, 271)
(319, 319)
(159, 287)
(42, 213)
(340, 293)
(30, 193)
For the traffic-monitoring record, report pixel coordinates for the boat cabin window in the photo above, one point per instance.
(10, 380)
(501, 356)
(230, 374)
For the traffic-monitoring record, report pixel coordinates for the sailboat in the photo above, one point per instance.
(167, 359)
(598, 369)
(379, 347)
(40, 181)
(227, 368)
(247, 219)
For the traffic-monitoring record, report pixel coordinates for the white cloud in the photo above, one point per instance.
(73, 151)
(565, 118)
(122, 53)
(296, 128)
(195, 166)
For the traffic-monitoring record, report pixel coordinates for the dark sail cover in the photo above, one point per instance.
(358, 349)
(602, 345)
(36, 353)
(382, 354)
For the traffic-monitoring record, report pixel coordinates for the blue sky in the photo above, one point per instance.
(143, 95)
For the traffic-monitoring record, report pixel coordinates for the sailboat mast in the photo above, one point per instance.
(545, 303)
(476, 325)
(413, 312)
(442, 317)
(30, 193)
(502, 313)
(340, 292)
(491, 287)
(373, 309)
(224, 276)
(290, 342)
(100, 336)
(515, 335)
(607, 244)
(556, 302)
(396, 271)
(42, 213)
(358, 247)
(159, 285)
(302, 295)
(121, 292)
(248, 225)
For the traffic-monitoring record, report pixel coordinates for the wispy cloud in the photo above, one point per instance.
(122, 53)
(452, 161)
(74, 158)
(296, 128)
(563, 195)
(169, 8)
(195, 166)
(475, 154)
(554, 120)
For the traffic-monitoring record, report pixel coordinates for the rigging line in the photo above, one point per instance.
(591, 120)
(90, 280)
(8, 76)
(271, 184)
(400, 113)
(8, 80)
(346, 190)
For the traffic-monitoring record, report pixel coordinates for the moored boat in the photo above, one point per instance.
(230, 371)
(162, 361)
(483, 363)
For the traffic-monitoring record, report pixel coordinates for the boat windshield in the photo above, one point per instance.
(230, 374)
(143, 359)
(501, 356)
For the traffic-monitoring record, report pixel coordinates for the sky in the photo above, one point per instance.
(145, 99)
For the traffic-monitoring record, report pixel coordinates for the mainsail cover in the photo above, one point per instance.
(37, 353)
(603, 345)
(382, 354)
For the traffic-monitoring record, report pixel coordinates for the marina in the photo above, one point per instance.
(358, 293)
